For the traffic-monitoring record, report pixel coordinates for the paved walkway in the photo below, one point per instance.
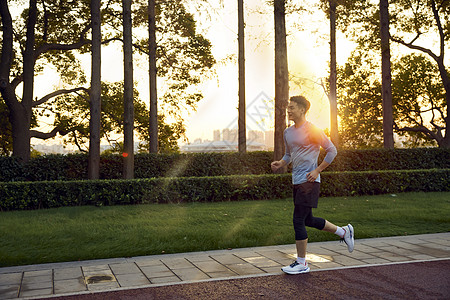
(48, 280)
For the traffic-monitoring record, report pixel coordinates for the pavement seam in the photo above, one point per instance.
(169, 270)
(223, 265)
(197, 268)
(53, 281)
(142, 272)
(20, 286)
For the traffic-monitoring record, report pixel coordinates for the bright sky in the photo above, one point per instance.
(308, 56)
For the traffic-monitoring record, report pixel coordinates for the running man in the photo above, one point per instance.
(302, 142)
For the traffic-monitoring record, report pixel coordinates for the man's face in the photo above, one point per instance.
(295, 111)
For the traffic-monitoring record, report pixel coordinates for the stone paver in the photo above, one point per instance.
(69, 286)
(136, 279)
(68, 273)
(227, 259)
(9, 291)
(10, 278)
(190, 274)
(211, 267)
(109, 274)
(245, 269)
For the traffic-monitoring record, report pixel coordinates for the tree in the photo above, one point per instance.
(334, 131)
(418, 101)
(95, 94)
(359, 93)
(241, 56)
(281, 78)
(412, 25)
(152, 71)
(128, 116)
(386, 90)
(23, 55)
(429, 15)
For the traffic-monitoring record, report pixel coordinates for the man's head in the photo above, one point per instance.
(297, 107)
(301, 102)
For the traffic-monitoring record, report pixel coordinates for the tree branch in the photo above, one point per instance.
(439, 26)
(78, 144)
(121, 40)
(7, 42)
(421, 129)
(414, 47)
(16, 81)
(54, 46)
(47, 135)
(57, 93)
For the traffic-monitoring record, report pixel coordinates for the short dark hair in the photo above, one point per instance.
(301, 101)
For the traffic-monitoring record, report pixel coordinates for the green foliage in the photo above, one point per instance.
(418, 101)
(418, 95)
(390, 159)
(10, 169)
(74, 166)
(384, 182)
(359, 102)
(409, 20)
(48, 194)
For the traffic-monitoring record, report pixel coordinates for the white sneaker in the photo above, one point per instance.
(349, 237)
(295, 268)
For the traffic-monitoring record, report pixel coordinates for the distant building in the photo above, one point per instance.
(256, 136)
(229, 135)
(216, 134)
(268, 140)
(221, 146)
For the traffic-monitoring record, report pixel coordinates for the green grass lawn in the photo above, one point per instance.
(80, 233)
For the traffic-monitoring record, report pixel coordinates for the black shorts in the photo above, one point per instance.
(306, 194)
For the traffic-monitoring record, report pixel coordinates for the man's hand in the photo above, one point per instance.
(276, 165)
(312, 176)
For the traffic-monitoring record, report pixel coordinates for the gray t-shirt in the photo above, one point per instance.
(302, 149)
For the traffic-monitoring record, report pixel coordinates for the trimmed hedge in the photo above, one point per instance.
(48, 194)
(74, 166)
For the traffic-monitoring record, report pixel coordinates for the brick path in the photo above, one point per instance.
(72, 278)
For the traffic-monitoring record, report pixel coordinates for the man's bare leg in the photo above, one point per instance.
(301, 247)
(329, 227)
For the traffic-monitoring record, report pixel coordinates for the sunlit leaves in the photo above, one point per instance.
(359, 104)
(72, 114)
(418, 99)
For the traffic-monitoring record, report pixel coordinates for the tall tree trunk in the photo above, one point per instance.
(445, 143)
(388, 121)
(28, 85)
(20, 112)
(333, 95)
(281, 79)
(95, 95)
(241, 122)
(153, 143)
(128, 117)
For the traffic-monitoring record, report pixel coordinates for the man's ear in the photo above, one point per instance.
(302, 109)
